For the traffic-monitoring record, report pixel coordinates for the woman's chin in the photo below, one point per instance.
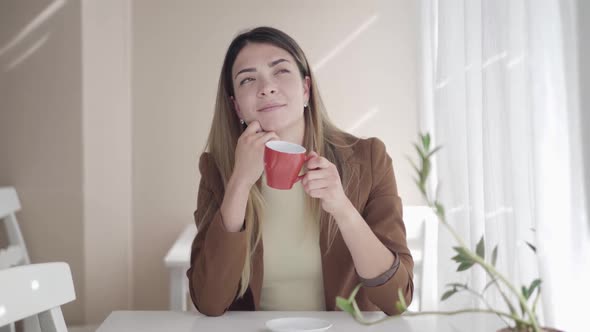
(278, 125)
(269, 126)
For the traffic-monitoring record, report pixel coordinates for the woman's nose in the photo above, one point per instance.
(267, 89)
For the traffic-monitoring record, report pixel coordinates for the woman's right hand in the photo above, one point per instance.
(248, 168)
(249, 155)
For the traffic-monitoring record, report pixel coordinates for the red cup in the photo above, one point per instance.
(282, 164)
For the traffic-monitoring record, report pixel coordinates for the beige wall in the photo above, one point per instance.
(65, 141)
(365, 55)
(40, 132)
(106, 126)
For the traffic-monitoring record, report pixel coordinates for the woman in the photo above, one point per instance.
(263, 249)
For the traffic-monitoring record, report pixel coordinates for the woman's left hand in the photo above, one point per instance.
(323, 181)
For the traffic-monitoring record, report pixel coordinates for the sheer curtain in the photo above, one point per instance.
(500, 95)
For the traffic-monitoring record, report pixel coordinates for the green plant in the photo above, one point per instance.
(523, 320)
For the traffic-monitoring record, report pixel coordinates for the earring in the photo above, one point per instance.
(306, 105)
(242, 122)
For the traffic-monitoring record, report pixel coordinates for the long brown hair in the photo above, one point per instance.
(321, 135)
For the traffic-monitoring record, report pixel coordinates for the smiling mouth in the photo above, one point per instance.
(271, 108)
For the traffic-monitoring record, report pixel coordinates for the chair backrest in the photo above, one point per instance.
(16, 252)
(422, 235)
(36, 290)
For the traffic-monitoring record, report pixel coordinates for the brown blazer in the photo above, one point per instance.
(217, 256)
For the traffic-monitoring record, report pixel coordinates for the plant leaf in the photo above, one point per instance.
(459, 259)
(463, 253)
(525, 292)
(416, 181)
(344, 305)
(480, 250)
(413, 165)
(433, 151)
(437, 190)
(532, 247)
(536, 283)
(464, 266)
(448, 294)
(440, 209)
(419, 150)
(426, 141)
(494, 255)
(425, 169)
(456, 284)
(399, 306)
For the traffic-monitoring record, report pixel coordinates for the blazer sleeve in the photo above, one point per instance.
(383, 213)
(217, 256)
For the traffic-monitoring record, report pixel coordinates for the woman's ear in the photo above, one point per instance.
(306, 89)
(236, 106)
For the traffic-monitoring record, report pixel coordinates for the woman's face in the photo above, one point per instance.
(268, 87)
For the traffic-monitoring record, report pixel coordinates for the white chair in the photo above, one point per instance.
(36, 290)
(177, 261)
(422, 236)
(16, 251)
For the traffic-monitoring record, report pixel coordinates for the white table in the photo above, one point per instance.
(177, 261)
(173, 321)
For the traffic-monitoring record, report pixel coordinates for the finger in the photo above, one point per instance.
(314, 175)
(252, 128)
(317, 193)
(318, 162)
(317, 184)
(312, 154)
(268, 136)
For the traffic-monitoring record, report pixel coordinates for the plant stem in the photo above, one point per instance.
(485, 302)
(357, 311)
(490, 269)
(443, 220)
(521, 299)
(462, 244)
(504, 296)
(536, 300)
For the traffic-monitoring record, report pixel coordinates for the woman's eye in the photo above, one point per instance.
(246, 80)
(282, 71)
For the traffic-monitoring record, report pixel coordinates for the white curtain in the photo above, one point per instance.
(500, 95)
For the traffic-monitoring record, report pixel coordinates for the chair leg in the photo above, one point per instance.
(178, 290)
(31, 324)
(7, 328)
(52, 320)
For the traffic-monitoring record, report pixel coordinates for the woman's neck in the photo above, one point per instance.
(293, 134)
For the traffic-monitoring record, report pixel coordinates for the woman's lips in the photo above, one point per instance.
(271, 108)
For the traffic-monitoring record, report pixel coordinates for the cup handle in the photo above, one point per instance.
(300, 177)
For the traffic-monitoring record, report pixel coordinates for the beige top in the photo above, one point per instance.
(292, 279)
